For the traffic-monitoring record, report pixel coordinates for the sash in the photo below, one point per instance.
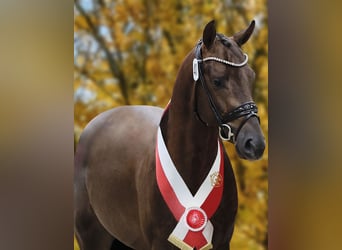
(193, 213)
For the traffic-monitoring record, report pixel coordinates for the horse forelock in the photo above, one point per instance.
(229, 51)
(224, 40)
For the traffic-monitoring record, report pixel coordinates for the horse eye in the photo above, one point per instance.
(217, 82)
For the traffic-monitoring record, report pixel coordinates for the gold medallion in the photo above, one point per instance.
(216, 179)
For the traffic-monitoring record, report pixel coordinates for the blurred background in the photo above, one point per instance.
(304, 137)
(129, 51)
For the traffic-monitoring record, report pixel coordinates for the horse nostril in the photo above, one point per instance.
(249, 145)
(254, 148)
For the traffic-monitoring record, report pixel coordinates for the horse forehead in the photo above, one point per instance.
(228, 48)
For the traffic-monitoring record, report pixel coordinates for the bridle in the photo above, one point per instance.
(246, 110)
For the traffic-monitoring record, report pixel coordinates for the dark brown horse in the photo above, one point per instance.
(116, 192)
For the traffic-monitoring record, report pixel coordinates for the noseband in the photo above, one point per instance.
(246, 110)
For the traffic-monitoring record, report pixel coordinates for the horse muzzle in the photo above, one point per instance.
(250, 143)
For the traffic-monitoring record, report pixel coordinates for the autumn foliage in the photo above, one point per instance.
(128, 52)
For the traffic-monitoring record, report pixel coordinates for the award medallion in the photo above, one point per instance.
(196, 219)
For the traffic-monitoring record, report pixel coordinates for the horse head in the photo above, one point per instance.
(220, 67)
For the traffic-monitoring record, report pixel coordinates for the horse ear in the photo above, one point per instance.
(242, 37)
(209, 34)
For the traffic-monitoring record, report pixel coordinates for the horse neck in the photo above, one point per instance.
(191, 144)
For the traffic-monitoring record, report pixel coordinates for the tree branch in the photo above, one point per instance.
(113, 65)
(85, 73)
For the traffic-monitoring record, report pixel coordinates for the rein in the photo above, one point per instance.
(246, 110)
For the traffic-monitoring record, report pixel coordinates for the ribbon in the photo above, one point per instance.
(193, 213)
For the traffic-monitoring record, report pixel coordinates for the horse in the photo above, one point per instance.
(118, 197)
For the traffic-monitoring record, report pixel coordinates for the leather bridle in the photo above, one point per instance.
(246, 110)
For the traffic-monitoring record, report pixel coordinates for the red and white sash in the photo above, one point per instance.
(194, 229)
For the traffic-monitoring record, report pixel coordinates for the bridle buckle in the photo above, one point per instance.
(230, 135)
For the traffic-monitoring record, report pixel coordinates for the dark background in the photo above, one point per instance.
(36, 136)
